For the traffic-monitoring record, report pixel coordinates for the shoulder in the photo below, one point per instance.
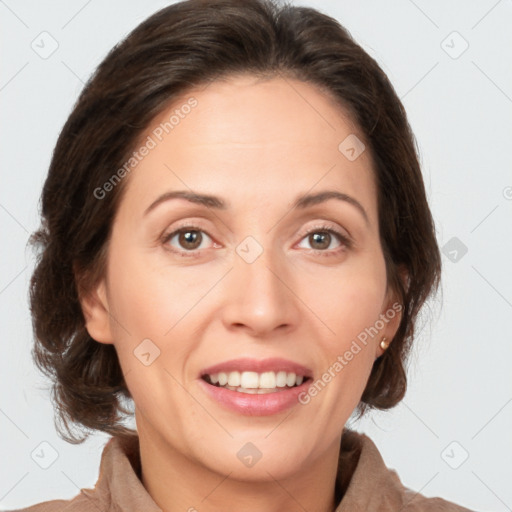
(374, 486)
(117, 488)
(95, 499)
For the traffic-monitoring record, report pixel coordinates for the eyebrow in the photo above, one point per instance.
(301, 202)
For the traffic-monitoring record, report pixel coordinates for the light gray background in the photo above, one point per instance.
(460, 110)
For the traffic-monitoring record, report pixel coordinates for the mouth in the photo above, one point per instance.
(255, 383)
(256, 387)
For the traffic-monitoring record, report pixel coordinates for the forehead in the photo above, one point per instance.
(253, 139)
(271, 112)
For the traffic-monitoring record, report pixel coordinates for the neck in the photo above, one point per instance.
(179, 483)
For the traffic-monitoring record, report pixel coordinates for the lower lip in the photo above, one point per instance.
(255, 405)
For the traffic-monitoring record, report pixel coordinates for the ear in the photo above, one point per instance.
(391, 313)
(96, 312)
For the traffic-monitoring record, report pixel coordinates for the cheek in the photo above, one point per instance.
(145, 306)
(148, 298)
(347, 300)
(349, 305)
(150, 301)
(356, 311)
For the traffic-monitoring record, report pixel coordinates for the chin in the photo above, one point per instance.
(258, 456)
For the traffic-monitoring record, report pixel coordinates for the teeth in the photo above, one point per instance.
(253, 391)
(268, 380)
(281, 379)
(234, 379)
(249, 380)
(254, 383)
(290, 379)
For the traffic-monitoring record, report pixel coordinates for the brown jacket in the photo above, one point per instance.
(367, 485)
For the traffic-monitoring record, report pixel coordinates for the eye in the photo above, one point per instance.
(321, 238)
(189, 240)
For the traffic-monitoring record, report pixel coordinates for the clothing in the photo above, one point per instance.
(365, 483)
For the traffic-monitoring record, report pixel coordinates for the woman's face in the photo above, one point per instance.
(254, 288)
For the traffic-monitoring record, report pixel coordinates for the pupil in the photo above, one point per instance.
(189, 239)
(319, 237)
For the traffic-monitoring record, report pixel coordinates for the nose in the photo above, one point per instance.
(260, 297)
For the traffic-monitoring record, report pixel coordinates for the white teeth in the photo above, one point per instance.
(256, 383)
(253, 391)
(234, 379)
(249, 380)
(268, 380)
(281, 379)
(246, 390)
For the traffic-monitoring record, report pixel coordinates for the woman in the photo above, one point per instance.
(236, 236)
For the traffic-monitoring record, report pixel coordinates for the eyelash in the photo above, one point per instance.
(322, 228)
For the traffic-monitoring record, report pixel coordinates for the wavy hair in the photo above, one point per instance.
(184, 45)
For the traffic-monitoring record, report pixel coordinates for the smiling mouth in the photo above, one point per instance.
(255, 383)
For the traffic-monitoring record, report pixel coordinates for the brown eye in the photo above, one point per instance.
(320, 240)
(187, 241)
(190, 239)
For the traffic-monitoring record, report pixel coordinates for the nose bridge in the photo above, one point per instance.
(259, 297)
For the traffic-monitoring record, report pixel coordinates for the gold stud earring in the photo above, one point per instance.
(384, 344)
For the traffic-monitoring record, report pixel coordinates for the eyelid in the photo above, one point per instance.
(183, 227)
(345, 239)
(326, 226)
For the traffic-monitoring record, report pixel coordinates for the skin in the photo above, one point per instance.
(257, 144)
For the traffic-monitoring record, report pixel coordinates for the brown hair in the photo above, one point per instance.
(181, 46)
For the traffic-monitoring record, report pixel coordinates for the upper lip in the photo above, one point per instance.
(274, 364)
